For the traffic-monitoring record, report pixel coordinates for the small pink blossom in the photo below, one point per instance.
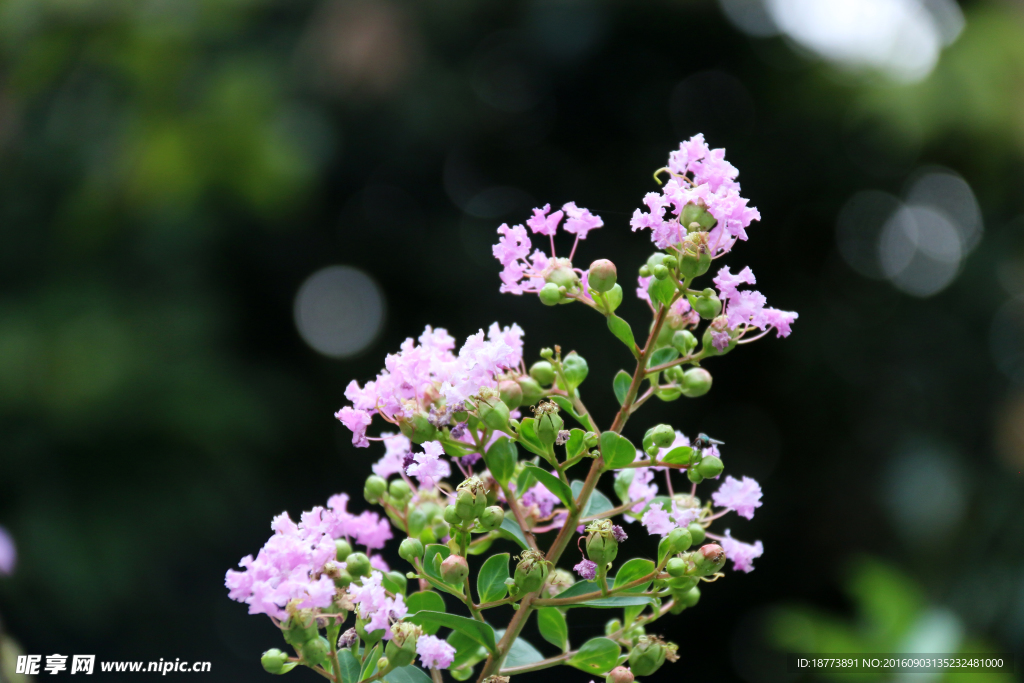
(434, 653)
(580, 221)
(742, 554)
(657, 520)
(357, 421)
(539, 496)
(741, 496)
(396, 447)
(586, 569)
(428, 466)
(542, 223)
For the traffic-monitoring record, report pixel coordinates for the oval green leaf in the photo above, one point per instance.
(620, 384)
(501, 459)
(623, 332)
(553, 484)
(597, 656)
(511, 530)
(553, 628)
(425, 600)
(616, 450)
(408, 674)
(490, 582)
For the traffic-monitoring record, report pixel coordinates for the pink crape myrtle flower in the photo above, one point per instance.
(587, 569)
(742, 496)
(8, 553)
(428, 466)
(434, 653)
(657, 520)
(375, 606)
(742, 554)
(396, 447)
(746, 309)
(544, 500)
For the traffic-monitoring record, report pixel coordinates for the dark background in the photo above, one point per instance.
(171, 173)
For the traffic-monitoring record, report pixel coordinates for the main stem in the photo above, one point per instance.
(493, 664)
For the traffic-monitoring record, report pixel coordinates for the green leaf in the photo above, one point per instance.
(630, 614)
(390, 584)
(475, 630)
(370, 663)
(621, 329)
(521, 653)
(616, 450)
(617, 601)
(349, 666)
(681, 455)
(501, 459)
(662, 291)
(632, 570)
(512, 530)
(598, 502)
(428, 559)
(425, 600)
(623, 478)
(574, 446)
(581, 588)
(621, 385)
(528, 436)
(597, 656)
(662, 356)
(553, 628)
(490, 582)
(467, 651)
(553, 484)
(566, 405)
(408, 674)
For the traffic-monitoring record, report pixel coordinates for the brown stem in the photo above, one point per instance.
(515, 626)
(513, 504)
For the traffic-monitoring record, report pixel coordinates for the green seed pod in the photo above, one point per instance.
(684, 341)
(676, 566)
(679, 540)
(399, 489)
(411, 549)
(647, 656)
(710, 466)
(315, 651)
(662, 435)
(454, 569)
(575, 368)
(452, 516)
(296, 632)
(418, 428)
(602, 546)
(707, 305)
(694, 475)
(373, 489)
(543, 372)
(696, 382)
(601, 276)
(342, 549)
(531, 389)
(549, 423)
(401, 649)
(660, 272)
(273, 661)
(645, 271)
(511, 393)
(551, 295)
(531, 572)
(493, 412)
(681, 584)
(492, 518)
(690, 598)
(696, 532)
(358, 564)
(619, 674)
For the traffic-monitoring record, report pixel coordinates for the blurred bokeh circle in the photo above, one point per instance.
(339, 311)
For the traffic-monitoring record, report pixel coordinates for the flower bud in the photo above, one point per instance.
(601, 544)
(681, 584)
(383, 664)
(417, 428)
(373, 489)
(676, 566)
(454, 569)
(273, 661)
(707, 305)
(343, 579)
(575, 368)
(662, 435)
(696, 532)
(401, 649)
(511, 393)
(492, 518)
(342, 549)
(684, 341)
(710, 466)
(465, 507)
(549, 424)
(492, 411)
(358, 564)
(531, 572)
(601, 276)
(543, 373)
(547, 353)
(314, 652)
(697, 213)
(612, 626)
(561, 274)
(690, 598)
(551, 295)
(696, 382)
(645, 271)
(679, 540)
(531, 390)
(619, 674)
(647, 656)
(411, 549)
(694, 475)
(399, 489)
(660, 272)
(451, 514)
(708, 560)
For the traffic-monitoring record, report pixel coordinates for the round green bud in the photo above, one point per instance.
(465, 507)
(343, 579)
(669, 261)
(710, 466)
(383, 664)
(707, 306)
(531, 389)
(492, 518)
(645, 271)
(612, 626)
(562, 275)
(373, 489)
(398, 578)
(531, 572)
(652, 449)
(342, 549)
(418, 428)
(454, 569)
(676, 566)
(674, 374)
(547, 353)
(543, 372)
(358, 564)
(655, 259)
(708, 559)
(418, 520)
(601, 276)
(273, 661)
(694, 475)
(663, 435)
(679, 540)
(511, 393)
(696, 382)
(619, 674)
(690, 598)
(399, 489)
(452, 516)
(439, 530)
(647, 656)
(681, 584)
(548, 426)
(684, 341)
(660, 272)
(696, 532)
(575, 368)
(315, 651)
(551, 295)
(411, 549)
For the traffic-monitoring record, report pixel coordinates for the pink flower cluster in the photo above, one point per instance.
(428, 466)
(740, 496)
(699, 174)
(539, 496)
(419, 373)
(375, 606)
(660, 522)
(514, 246)
(434, 653)
(747, 308)
(289, 565)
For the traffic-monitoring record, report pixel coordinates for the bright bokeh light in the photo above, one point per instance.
(901, 38)
(339, 311)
